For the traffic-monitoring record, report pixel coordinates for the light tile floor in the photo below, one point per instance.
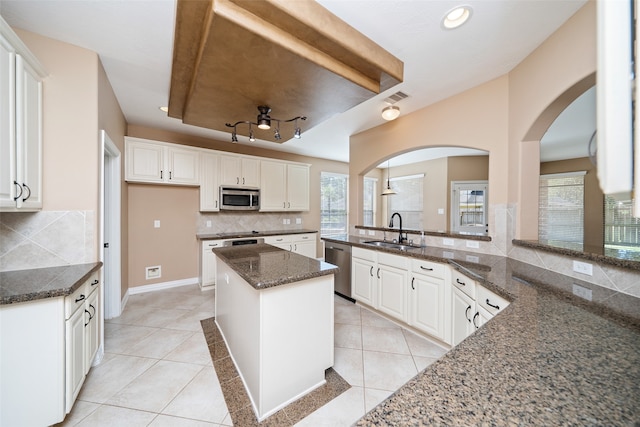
(157, 370)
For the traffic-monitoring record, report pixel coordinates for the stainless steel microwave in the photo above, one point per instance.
(239, 198)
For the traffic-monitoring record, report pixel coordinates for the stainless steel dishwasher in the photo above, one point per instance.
(340, 255)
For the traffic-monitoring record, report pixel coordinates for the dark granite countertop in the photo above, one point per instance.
(265, 266)
(243, 234)
(39, 283)
(548, 359)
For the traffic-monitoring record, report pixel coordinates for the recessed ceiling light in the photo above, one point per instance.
(165, 109)
(456, 17)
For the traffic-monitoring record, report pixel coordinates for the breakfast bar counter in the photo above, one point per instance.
(274, 309)
(549, 358)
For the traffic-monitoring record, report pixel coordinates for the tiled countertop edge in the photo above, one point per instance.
(429, 233)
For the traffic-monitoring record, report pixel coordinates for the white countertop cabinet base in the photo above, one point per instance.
(280, 338)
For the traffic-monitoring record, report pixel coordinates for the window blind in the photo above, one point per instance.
(408, 200)
(561, 208)
(369, 201)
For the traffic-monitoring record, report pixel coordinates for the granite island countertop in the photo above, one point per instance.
(245, 234)
(39, 283)
(265, 266)
(549, 358)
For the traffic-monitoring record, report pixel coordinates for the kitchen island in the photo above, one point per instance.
(274, 309)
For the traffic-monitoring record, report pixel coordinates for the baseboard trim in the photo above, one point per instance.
(164, 285)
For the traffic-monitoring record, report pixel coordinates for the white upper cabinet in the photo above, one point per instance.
(209, 194)
(21, 78)
(238, 170)
(161, 163)
(285, 186)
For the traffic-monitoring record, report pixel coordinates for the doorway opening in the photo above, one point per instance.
(469, 207)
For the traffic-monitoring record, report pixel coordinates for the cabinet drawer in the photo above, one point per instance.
(277, 240)
(363, 254)
(490, 301)
(74, 301)
(393, 260)
(428, 268)
(464, 283)
(210, 244)
(304, 237)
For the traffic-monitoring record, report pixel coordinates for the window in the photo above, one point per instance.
(333, 204)
(561, 209)
(408, 200)
(469, 207)
(621, 229)
(369, 201)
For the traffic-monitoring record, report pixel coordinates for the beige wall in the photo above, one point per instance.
(541, 87)
(111, 120)
(173, 246)
(593, 197)
(506, 117)
(184, 254)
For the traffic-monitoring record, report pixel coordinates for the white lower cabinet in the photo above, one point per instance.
(208, 263)
(47, 347)
(430, 299)
(303, 244)
(429, 296)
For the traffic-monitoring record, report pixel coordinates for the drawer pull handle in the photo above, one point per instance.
(474, 320)
(426, 268)
(460, 283)
(95, 282)
(81, 298)
(497, 307)
(466, 314)
(413, 279)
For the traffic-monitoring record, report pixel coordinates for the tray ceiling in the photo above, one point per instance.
(230, 56)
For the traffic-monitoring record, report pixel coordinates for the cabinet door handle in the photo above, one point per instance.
(378, 273)
(459, 282)
(90, 317)
(237, 180)
(474, 319)
(160, 174)
(413, 279)
(284, 204)
(295, 246)
(169, 175)
(426, 268)
(466, 313)
(497, 307)
(289, 205)
(216, 204)
(371, 271)
(28, 189)
(94, 311)
(242, 180)
(15, 199)
(81, 298)
(290, 248)
(95, 282)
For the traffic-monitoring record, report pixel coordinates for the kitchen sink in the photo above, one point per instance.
(390, 245)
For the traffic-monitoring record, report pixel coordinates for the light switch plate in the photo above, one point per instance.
(448, 242)
(298, 220)
(473, 244)
(208, 224)
(372, 232)
(440, 211)
(156, 223)
(361, 231)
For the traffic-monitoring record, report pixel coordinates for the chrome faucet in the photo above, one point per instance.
(400, 238)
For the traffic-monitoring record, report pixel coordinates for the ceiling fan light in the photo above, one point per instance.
(391, 112)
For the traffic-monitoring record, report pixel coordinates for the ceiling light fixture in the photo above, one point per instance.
(391, 112)
(388, 191)
(164, 109)
(456, 17)
(263, 121)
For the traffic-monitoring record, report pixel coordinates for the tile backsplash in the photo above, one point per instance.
(222, 222)
(46, 239)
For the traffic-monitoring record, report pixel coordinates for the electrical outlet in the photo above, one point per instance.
(372, 232)
(440, 211)
(284, 221)
(361, 231)
(472, 258)
(288, 221)
(582, 292)
(208, 224)
(583, 268)
(473, 244)
(156, 223)
(153, 272)
(448, 242)
(447, 255)
(298, 220)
